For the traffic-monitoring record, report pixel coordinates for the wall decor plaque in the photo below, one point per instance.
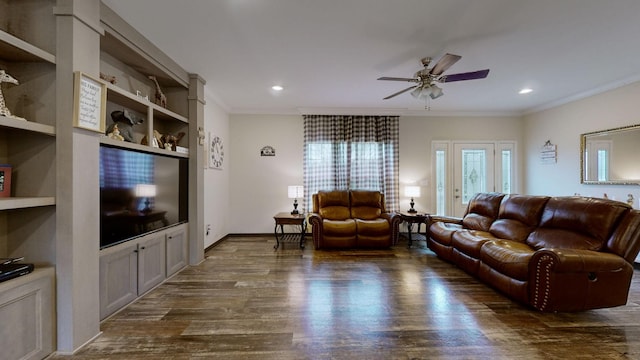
(89, 102)
(268, 151)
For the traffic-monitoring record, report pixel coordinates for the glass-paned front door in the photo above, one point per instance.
(473, 173)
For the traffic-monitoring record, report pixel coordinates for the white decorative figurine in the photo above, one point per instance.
(4, 111)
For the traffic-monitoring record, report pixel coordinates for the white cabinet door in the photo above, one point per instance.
(27, 322)
(176, 251)
(118, 280)
(151, 263)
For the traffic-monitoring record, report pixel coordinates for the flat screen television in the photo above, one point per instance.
(140, 193)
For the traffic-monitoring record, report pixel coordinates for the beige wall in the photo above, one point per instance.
(216, 182)
(258, 185)
(258, 188)
(563, 125)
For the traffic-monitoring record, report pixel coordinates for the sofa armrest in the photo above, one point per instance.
(576, 260)
(576, 280)
(446, 219)
(316, 228)
(315, 216)
(394, 220)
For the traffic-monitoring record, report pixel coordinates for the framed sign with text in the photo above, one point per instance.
(89, 101)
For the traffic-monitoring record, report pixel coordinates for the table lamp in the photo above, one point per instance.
(295, 192)
(146, 191)
(413, 192)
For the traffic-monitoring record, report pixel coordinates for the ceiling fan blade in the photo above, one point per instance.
(400, 92)
(480, 74)
(444, 63)
(397, 79)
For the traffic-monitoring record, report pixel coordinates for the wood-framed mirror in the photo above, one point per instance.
(611, 156)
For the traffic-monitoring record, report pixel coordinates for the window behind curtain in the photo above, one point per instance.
(351, 152)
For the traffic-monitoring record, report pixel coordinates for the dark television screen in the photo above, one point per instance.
(140, 193)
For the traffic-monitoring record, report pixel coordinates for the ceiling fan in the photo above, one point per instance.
(426, 78)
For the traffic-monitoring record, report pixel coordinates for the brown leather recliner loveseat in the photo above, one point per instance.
(551, 253)
(352, 219)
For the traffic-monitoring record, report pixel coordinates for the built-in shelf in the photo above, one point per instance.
(140, 147)
(37, 273)
(11, 203)
(165, 114)
(10, 123)
(15, 49)
(139, 104)
(131, 54)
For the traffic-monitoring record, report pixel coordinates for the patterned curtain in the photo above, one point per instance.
(351, 152)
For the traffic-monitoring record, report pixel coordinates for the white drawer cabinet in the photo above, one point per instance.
(27, 309)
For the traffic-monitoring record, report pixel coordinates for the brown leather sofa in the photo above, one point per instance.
(352, 219)
(552, 253)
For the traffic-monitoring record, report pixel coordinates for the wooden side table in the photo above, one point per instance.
(419, 219)
(285, 218)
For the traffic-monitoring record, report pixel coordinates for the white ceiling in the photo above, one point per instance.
(328, 53)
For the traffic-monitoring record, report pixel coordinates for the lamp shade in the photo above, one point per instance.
(412, 191)
(145, 190)
(296, 191)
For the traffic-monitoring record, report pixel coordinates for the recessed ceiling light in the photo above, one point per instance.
(277, 88)
(525, 91)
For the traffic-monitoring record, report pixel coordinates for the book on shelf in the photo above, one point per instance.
(13, 270)
(5, 180)
(4, 261)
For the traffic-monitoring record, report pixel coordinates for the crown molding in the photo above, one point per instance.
(583, 95)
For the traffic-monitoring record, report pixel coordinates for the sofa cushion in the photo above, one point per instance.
(623, 240)
(548, 238)
(442, 232)
(469, 242)
(581, 223)
(518, 216)
(339, 227)
(372, 227)
(482, 211)
(373, 233)
(510, 258)
(334, 205)
(366, 204)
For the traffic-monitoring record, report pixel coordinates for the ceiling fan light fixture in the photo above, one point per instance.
(416, 92)
(426, 78)
(436, 92)
(423, 91)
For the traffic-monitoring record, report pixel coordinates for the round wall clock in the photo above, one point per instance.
(216, 156)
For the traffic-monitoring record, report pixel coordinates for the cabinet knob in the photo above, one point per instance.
(141, 247)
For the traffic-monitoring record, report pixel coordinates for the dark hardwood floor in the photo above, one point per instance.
(247, 301)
